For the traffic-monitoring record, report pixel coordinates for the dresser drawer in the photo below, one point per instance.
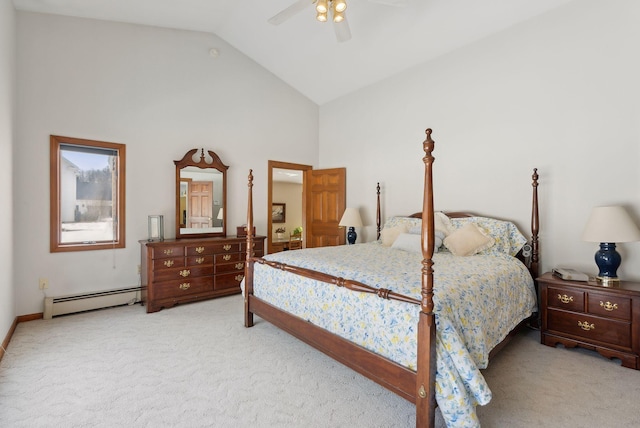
(199, 249)
(609, 306)
(608, 331)
(227, 258)
(163, 252)
(200, 260)
(569, 299)
(175, 289)
(229, 267)
(184, 272)
(232, 247)
(168, 263)
(228, 280)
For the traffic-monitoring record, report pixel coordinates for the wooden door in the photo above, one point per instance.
(326, 194)
(200, 204)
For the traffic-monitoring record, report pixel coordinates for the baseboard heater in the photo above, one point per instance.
(64, 305)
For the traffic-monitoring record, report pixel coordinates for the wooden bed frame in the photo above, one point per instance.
(416, 386)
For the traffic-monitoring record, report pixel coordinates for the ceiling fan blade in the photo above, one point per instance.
(290, 11)
(342, 30)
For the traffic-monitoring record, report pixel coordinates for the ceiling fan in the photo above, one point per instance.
(325, 9)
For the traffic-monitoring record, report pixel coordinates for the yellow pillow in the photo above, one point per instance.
(389, 235)
(468, 240)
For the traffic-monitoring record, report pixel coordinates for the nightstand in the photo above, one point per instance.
(589, 315)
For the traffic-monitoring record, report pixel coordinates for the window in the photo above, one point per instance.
(87, 194)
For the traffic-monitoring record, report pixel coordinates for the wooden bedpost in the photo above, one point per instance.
(378, 219)
(248, 267)
(426, 364)
(535, 226)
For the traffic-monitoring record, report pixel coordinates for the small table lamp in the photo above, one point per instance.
(351, 219)
(608, 225)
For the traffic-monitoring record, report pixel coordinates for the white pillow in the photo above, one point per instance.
(413, 243)
(389, 234)
(408, 242)
(468, 240)
(441, 223)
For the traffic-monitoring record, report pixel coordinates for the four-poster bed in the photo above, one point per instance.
(380, 346)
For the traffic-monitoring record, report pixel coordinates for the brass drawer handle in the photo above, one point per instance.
(564, 298)
(239, 265)
(226, 257)
(200, 260)
(586, 326)
(185, 286)
(168, 251)
(185, 273)
(609, 306)
(199, 250)
(169, 263)
(239, 277)
(227, 247)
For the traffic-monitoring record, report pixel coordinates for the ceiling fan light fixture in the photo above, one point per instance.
(321, 7)
(340, 5)
(322, 17)
(338, 17)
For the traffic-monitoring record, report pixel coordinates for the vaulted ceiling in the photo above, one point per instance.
(388, 36)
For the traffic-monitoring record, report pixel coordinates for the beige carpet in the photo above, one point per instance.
(197, 366)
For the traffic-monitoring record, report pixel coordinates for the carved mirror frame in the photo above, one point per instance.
(183, 166)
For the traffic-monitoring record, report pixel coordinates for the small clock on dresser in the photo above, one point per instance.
(592, 316)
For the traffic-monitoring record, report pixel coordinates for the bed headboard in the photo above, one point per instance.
(528, 255)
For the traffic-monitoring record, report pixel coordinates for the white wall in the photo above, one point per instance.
(559, 92)
(7, 137)
(159, 92)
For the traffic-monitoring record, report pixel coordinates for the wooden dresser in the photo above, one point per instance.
(186, 270)
(604, 319)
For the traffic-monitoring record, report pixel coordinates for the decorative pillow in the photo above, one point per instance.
(389, 234)
(508, 239)
(468, 240)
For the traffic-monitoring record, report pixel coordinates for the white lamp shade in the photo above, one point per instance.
(610, 224)
(351, 218)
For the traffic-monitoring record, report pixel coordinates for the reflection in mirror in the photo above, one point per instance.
(286, 187)
(200, 195)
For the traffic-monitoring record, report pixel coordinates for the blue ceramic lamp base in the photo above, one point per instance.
(608, 261)
(351, 236)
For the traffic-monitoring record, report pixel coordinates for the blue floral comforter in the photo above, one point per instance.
(478, 300)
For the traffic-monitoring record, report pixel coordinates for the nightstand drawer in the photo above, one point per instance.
(609, 306)
(569, 299)
(608, 331)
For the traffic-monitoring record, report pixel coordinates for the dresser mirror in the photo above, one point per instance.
(201, 195)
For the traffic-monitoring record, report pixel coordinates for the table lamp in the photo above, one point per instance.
(351, 219)
(608, 225)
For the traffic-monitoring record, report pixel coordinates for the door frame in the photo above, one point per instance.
(271, 165)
